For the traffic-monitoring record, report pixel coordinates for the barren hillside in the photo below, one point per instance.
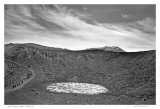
(129, 76)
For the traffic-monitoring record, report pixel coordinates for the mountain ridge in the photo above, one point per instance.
(105, 48)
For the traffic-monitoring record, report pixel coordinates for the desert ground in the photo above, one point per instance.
(129, 77)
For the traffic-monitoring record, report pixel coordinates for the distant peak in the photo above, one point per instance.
(112, 48)
(109, 48)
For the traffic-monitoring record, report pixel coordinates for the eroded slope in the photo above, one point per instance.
(130, 77)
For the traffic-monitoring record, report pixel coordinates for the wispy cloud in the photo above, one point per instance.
(68, 28)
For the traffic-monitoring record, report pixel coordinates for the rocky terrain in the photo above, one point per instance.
(29, 68)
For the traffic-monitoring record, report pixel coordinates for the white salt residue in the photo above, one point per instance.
(81, 88)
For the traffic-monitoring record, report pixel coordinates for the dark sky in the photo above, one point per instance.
(130, 27)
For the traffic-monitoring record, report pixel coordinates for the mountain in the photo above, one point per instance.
(30, 68)
(108, 48)
(113, 48)
(7, 46)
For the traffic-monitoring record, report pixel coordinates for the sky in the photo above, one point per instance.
(77, 27)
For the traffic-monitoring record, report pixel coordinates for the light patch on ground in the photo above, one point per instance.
(80, 88)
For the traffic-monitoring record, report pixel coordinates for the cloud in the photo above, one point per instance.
(65, 27)
(146, 25)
